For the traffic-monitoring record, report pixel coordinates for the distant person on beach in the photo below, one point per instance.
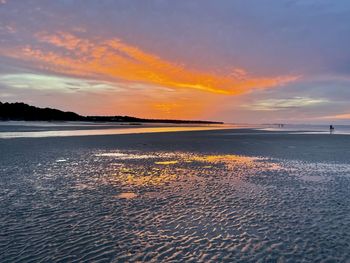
(331, 128)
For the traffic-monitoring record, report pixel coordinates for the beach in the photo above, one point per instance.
(219, 195)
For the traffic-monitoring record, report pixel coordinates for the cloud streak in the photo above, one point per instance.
(285, 104)
(345, 116)
(113, 59)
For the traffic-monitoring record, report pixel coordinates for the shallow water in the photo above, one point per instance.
(126, 206)
(102, 131)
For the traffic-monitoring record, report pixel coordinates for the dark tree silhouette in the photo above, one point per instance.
(23, 112)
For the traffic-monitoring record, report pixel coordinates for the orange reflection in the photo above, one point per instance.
(131, 130)
(234, 160)
(144, 173)
(167, 162)
(226, 158)
(127, 195)
(135, 177)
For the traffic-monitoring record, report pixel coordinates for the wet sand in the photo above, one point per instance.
(202, 196)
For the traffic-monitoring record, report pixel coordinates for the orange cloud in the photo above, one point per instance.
(115, 60)
(345, 116)
(66, 40)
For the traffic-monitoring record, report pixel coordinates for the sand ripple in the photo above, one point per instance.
(120, 206)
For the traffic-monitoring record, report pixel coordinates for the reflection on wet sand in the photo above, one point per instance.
(225, 158)
(124, 156)
(138, 177)
(127, 195)
(167, 162)
(163, 168)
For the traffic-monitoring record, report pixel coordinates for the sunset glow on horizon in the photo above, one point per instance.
(165, 59)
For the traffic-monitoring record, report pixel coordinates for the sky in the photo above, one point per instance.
(241, 61)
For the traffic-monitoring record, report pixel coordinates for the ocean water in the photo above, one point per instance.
(90, 204)
(304, 128)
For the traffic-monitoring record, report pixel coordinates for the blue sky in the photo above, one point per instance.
(238, 61)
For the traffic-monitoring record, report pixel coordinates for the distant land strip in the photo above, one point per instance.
(19, 111)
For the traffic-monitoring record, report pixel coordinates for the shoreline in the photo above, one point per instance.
(128, 130)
